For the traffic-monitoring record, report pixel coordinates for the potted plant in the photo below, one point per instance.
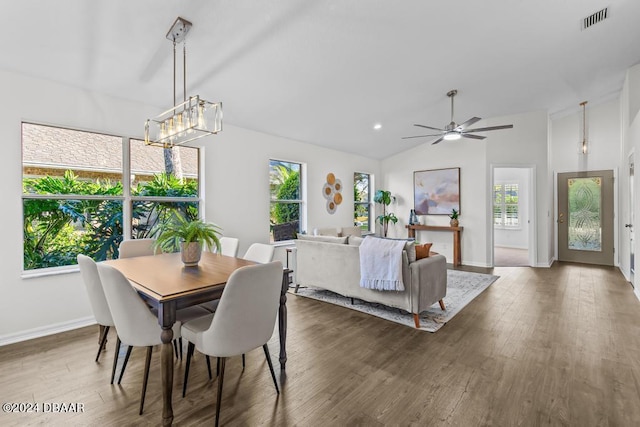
(454, 217)
(188, 237)
(384, 198)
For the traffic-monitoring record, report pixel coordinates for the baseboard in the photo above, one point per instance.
(476, 264)
(637, 292)
(46, 330)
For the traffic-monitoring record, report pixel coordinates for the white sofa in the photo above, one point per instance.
(333, 263)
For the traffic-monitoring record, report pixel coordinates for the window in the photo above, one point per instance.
(75, 199)
(285, 187)
(505, 206)
(362, 200)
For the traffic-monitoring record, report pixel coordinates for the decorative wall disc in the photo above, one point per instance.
(331, 191)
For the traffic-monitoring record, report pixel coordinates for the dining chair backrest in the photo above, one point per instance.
(229, 246)
(93, 284)
(137, 247)
(135, 323)
(260, 252)
(246, 315)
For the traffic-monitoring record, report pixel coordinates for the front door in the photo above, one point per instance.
(585, 217)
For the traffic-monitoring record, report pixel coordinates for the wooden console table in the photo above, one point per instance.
(457, 254)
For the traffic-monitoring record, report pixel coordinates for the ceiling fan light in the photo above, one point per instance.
(451, 136)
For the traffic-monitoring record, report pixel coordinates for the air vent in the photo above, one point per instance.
(594, 18)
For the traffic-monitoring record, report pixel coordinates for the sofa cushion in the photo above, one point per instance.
(326, 239)
(355, 240)
(326, 232)
(351, 231)
(423, 251)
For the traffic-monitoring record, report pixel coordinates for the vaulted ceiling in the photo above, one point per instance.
(326, 71)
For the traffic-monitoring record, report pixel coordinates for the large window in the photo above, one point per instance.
(506, 213)
(285, 187)
(75, 199)
(362, 200)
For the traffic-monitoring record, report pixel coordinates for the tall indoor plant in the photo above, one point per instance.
(385, 198)
(188, 237)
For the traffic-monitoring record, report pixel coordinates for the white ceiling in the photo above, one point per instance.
(325, 71)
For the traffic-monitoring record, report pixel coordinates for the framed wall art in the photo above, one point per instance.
(436, 192)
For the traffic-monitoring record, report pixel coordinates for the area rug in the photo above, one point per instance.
(462, 288)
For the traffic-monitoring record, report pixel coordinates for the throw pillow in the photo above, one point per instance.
(409, 246)
(326, 239)
(422, 251)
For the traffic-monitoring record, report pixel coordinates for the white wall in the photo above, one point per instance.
(518, 237)
(524, 145)
(236, 191)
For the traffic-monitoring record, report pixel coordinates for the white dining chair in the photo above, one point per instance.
(137, 247)
(136, 324)
(260, 252)
(98, 301)
(229, 246)
(245, 320)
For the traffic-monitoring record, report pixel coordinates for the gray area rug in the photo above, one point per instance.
(462, 288)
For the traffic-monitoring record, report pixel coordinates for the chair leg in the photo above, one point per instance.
(146, 378)
(273, 374)
(442, 305)
(115, 359)
(103, 340)
(124, 365)
(190, 347)
(416, 320)
(221, 362)
(217, 367)
(209, 367)
(180, 345)
(175, 348)
(243, 361)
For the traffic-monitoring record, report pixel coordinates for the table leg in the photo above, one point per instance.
(166, 318)
(282, 319)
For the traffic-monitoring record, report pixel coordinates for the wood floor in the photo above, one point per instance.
(558, 346)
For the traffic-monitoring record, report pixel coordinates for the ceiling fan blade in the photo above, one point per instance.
(418, 136)
(468, 123)
(429, 127)
(473, 136)
(490, 128)
(437, 140)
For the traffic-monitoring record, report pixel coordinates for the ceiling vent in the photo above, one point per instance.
(594, 18)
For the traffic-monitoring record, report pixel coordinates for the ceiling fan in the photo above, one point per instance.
(454, 131)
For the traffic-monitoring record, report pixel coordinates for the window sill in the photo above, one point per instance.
(507, 228)
(51, 271)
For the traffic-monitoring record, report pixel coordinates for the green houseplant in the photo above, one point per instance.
(454, 217)
(188, 237)
(385, 198)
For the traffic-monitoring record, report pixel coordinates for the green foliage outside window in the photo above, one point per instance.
(57, 229)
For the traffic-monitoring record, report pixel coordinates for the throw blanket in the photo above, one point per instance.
(381, 264)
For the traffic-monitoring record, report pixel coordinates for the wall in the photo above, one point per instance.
(235, 185)
(514, 238)
(524, 145)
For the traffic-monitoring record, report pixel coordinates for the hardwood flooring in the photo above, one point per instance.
(558, 346)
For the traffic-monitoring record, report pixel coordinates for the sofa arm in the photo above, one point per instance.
(428, 281)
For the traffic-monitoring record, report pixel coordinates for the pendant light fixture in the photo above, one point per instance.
(583, 148)
(192, 119)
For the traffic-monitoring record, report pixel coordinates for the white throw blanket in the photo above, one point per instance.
(381, 264)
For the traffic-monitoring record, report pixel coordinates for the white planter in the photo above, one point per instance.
(191, 253)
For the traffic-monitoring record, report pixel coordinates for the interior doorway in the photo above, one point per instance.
(513, 201)
(585, 217)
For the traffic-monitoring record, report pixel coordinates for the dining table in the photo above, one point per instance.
(167, 285)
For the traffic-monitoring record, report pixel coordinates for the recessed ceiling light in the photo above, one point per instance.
(377, 126)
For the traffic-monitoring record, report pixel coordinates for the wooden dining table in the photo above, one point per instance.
(167, 285)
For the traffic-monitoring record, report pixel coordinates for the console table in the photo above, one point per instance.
(457, 255)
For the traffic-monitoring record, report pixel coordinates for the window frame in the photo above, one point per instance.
(503, 206)
(301, 201)
(368, 203)
(126, 199)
